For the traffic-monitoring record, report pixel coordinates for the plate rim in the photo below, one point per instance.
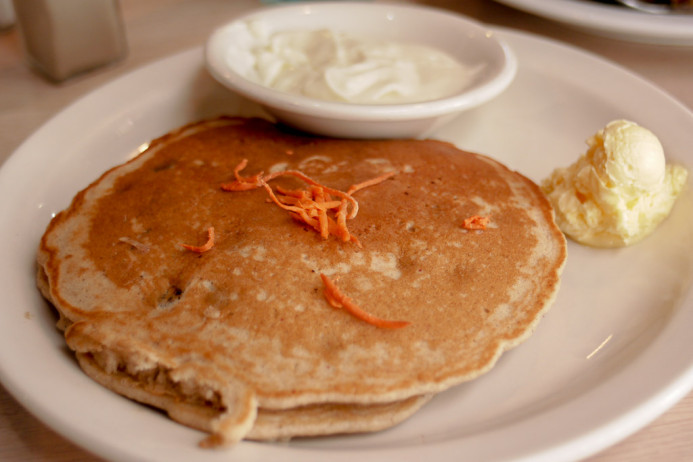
(613, 21)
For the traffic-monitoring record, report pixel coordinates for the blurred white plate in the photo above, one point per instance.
(613, 20)
(612, 354)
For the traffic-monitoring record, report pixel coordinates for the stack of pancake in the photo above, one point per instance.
(238, 338)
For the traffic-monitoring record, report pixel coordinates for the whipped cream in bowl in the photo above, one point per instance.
(360, 70)
(333, 65)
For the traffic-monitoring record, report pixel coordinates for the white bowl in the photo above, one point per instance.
(468, 41)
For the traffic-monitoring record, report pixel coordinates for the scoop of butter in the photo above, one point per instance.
(619, 191)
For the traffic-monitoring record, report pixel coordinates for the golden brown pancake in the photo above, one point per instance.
(309, 420)
(214, 337)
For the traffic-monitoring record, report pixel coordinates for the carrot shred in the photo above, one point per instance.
(338, 300)
(372, 182)
(242, 183)
(324, 209)
(302, 176)
(475, 222)
(297, 193)
(206, 246)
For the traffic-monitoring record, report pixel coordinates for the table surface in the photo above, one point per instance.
(157, 28)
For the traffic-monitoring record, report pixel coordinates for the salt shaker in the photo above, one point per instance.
(64, 38)
(6, 14)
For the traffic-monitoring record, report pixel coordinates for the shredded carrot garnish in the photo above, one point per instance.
(373, 181)
(475, 222)
(338, 300)
(242, 183)
(206, 246)
(298, 193)
(324, 209)
(302, 176)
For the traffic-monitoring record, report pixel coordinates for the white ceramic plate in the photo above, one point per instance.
(612, 354)
(613, 20)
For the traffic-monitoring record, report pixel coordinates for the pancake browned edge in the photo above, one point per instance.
(239, 341)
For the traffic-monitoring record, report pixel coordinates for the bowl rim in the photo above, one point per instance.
(297, 103)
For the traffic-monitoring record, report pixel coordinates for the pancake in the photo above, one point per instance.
(269, 425)
(247, 328)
